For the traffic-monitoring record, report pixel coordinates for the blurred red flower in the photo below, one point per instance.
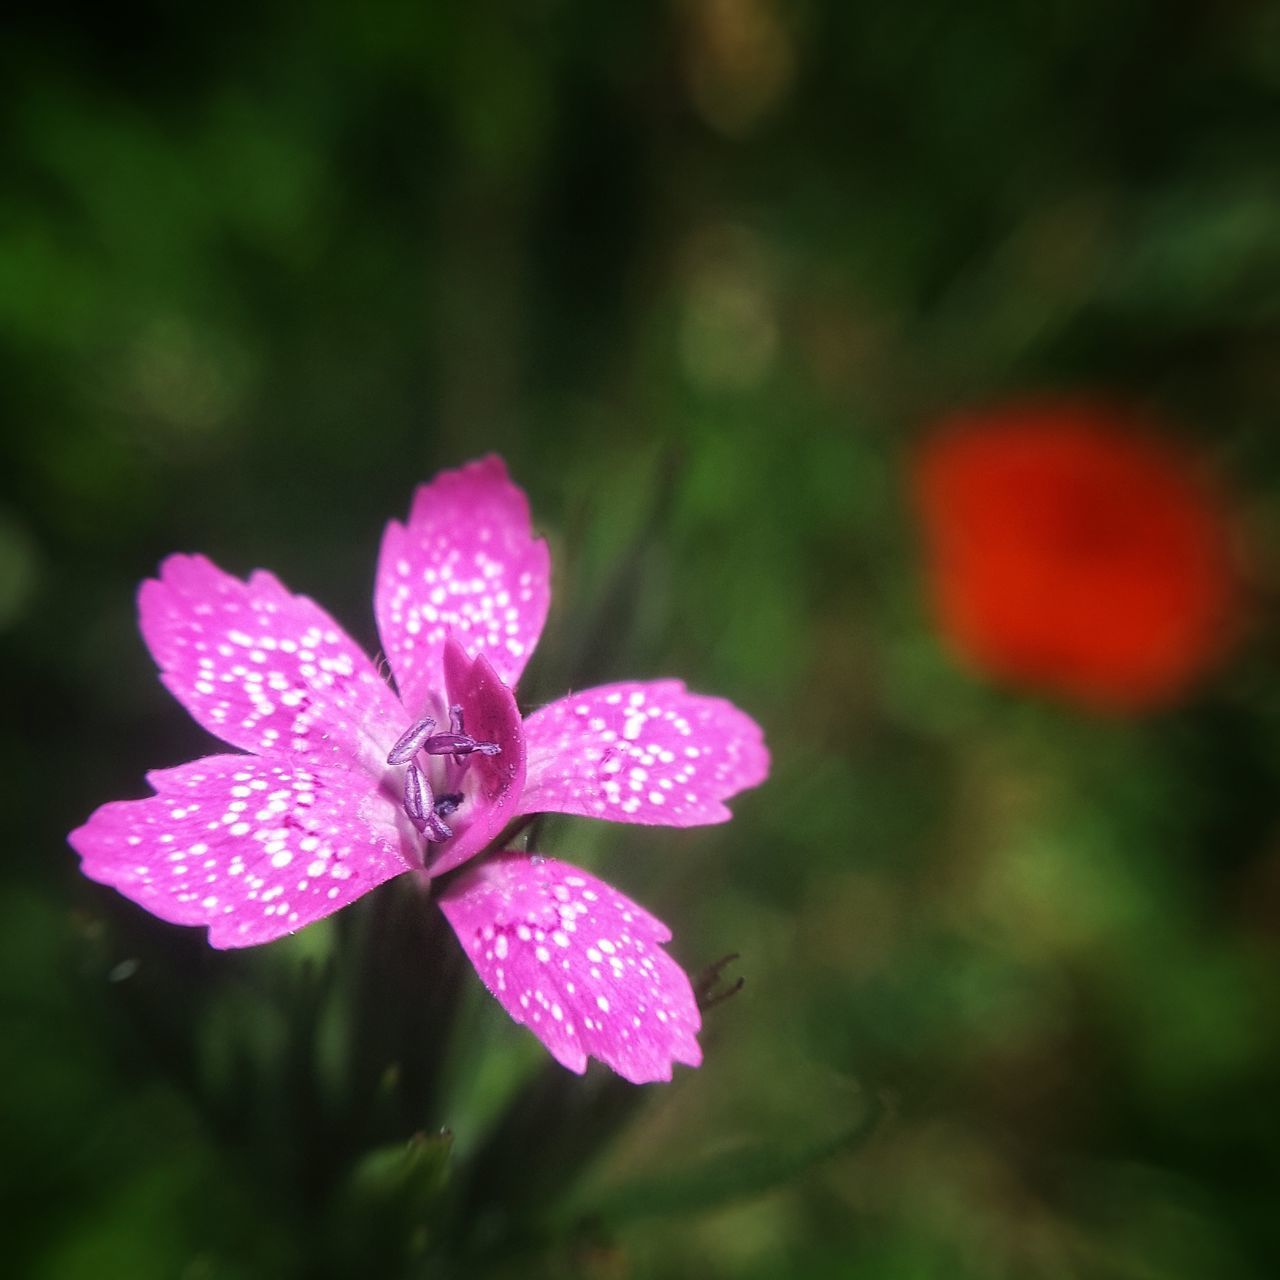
(1072, 549)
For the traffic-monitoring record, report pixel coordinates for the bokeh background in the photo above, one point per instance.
(703, 271)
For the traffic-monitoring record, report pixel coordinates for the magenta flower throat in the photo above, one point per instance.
(346, 784)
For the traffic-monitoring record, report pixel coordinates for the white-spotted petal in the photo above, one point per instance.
(264, 669)
(254, 848)
(577, 963)
(467, 565)
(641, 751)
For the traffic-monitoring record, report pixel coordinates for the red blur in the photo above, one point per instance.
(1075, 549)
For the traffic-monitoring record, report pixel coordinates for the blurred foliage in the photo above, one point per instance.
(701, 270)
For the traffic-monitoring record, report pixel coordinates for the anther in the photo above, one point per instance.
(458, 744)
(425, 812)
(418, 801)
(410, 742)
(437, 830)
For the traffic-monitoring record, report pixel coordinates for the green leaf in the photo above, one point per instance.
(750, 1169)
(384, 1211)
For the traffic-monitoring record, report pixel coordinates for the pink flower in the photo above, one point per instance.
(347, 785)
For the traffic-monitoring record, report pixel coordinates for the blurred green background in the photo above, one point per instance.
(701, 270)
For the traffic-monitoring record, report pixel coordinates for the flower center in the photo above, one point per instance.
(426, 810)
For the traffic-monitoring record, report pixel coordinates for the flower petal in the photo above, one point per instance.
(577, 963)
(490, 785)
(264, 669)
(255, 848)
(467, 563)
(648, 752)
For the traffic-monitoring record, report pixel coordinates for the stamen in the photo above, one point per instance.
(410, 742)
(425, 812)
(437, 830)
(458, 744)
(418, 801)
